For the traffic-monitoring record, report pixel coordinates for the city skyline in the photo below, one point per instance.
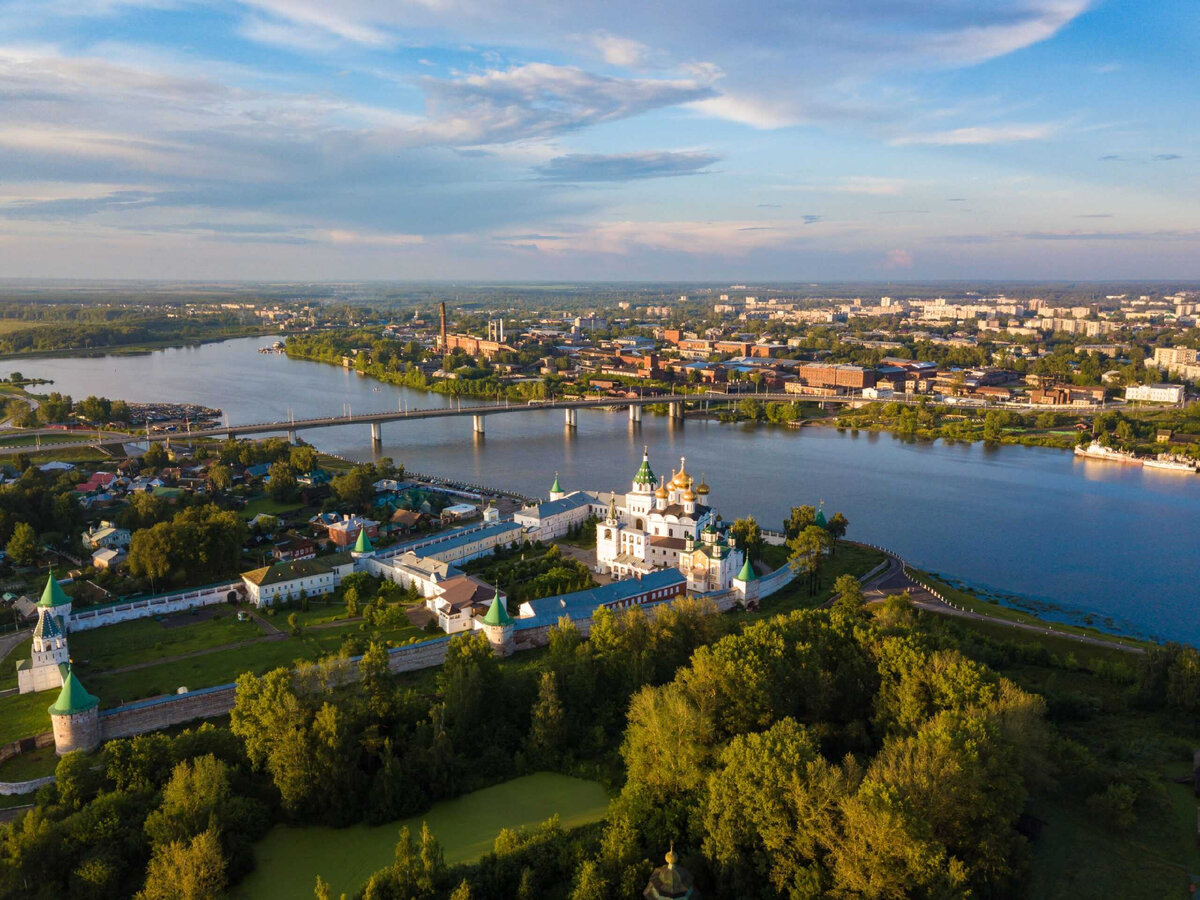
(280, 139)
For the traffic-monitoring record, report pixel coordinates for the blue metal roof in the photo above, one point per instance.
(582, 604)
(552, 507)
(467, 535)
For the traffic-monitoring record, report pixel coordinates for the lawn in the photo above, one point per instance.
(849, 558)
(24, 715)
(145, 640)
(28, 766)
(268, 507)
(224, 666)
(290, 859)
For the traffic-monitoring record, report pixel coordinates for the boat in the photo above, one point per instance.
(1171, 465)
(1096, 450)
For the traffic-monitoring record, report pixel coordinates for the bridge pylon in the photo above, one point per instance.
(376, 433)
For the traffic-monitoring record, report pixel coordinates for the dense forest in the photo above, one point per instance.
(838, 753)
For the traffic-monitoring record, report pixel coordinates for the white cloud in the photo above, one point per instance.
(982, 134)
(758, 112)
(619, 51)
(898, 259)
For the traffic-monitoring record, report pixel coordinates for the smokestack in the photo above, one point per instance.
(442, 345)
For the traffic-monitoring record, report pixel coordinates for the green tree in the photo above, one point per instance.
(799, 519)
(281, 483)
(748, 535)
(76, 778)
(849, 592)
(302, 458)
(806, 552)
(155, 457)
(547, 728)
(22, 546)
(220, 476)
(194, 870)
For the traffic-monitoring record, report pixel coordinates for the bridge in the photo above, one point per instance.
(676, 404)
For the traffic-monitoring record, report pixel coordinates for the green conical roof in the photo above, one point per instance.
(363, 544)
(554, 488)
(497, 613)
(72, 698)
(819, 518)
(644, 475)
(53, 594)
(747, 574)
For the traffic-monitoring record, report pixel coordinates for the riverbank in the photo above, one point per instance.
(139, 348)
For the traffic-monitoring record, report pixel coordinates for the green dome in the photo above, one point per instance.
(363, 544)
(53, 594)
(819, 518)
(644, 474)
(554, 488)
(747, 574)
(497, 613)
(72, 698)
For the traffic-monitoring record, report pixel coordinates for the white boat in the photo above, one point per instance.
(1096, 450)
(1170, 465)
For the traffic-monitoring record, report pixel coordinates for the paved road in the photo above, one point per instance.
(894, 580)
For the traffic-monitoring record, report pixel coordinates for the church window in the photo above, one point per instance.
(608, 534)
(640, 525)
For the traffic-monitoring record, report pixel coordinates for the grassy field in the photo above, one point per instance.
(27, 766)
(145, 640)
(31, 440)
(267, 506)
(24, 715)
(289, 859)
(224, 666)
(848, 558)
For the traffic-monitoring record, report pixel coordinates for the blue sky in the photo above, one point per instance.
(599, 139)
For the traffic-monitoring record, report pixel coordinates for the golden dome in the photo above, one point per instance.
(702, 488)
(688, 496)
(682, 479)
(661, 493)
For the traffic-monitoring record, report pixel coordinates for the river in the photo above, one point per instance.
(1073, 540)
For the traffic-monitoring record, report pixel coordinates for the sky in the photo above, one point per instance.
(748, 140)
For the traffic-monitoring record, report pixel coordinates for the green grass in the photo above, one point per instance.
(30, 440)
(27, 766)
(968, 600)
(849, 558)
(289, 859)
(224, 666)
(269, 507)
(145, 640)
(317, 614)
(24, 715)
(8, 665)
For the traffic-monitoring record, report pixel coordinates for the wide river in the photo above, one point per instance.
(1076, 541)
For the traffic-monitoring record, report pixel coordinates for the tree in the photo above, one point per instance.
(356, 487)
(22, 546)
(849, 592)
(302, 458)
(281, 483)
(293, 621)
(76, 779)
(376, 680)
(220, 476)
(748, 535)
(194, 870)
(192, 801)
(837, 526)
(547, 728)
(155, 457)
(799, 519)
(807, 551)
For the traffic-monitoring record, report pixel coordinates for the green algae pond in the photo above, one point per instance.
(290, 859)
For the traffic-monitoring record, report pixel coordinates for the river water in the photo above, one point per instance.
(1073, 540)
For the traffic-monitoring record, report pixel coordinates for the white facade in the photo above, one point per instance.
(647, 527)
(285, 581)
(1155, 393)
(48, 652)
(547, 521)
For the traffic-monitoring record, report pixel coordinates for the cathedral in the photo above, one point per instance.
(660, 523)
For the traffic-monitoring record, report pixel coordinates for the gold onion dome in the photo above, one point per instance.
(702, 488)
(688, 496)
(661, 493)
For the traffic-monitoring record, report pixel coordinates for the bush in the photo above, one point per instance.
(1115, 806)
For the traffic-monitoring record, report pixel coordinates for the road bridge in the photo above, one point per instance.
(677, 405)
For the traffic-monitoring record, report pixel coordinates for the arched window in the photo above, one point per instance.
(608, 534)
(639, 525)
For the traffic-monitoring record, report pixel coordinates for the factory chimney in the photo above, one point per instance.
(442, 344)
